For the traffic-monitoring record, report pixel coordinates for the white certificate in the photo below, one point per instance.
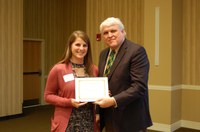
(91, 88)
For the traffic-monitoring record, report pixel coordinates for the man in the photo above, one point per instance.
(127, 109)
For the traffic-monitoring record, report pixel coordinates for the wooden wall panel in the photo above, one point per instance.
(191, 42)
(53, 21)
(11, 33)
(131, 12)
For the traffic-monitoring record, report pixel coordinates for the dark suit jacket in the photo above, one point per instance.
(128, 83)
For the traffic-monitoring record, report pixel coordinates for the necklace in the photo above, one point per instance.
(79, 70)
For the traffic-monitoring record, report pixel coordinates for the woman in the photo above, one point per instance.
(71, 115)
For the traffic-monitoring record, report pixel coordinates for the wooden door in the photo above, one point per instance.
(31, 72)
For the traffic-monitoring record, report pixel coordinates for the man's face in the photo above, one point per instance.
(113, 36)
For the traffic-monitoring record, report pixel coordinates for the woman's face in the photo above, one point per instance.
(79, 49)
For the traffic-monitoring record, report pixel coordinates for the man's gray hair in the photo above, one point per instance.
(111, 21)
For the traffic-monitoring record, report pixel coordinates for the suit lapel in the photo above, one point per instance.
(118, 58)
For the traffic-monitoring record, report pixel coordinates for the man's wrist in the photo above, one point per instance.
(114, 101)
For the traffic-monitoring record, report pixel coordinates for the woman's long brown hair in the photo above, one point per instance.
(68, 53)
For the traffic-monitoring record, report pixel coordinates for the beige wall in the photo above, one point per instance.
(190, 105)
(191, 65)
(160, 109)
(159, 74)
(176, 101)
(176, 62)
(177, 42)
(178, 67)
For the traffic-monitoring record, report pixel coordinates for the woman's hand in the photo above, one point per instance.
(98, 122)
(77, 104)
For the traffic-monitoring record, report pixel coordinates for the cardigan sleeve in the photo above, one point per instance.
(52, 88)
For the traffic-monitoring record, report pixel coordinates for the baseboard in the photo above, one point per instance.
(31, 102)
(11, 117)
(190, 124)
(175, 126)
(160, 127)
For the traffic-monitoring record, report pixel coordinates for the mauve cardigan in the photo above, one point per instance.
(59, 93)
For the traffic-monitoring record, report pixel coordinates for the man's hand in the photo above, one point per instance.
(105, 102)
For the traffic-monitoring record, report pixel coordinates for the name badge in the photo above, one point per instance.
(68, 77)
